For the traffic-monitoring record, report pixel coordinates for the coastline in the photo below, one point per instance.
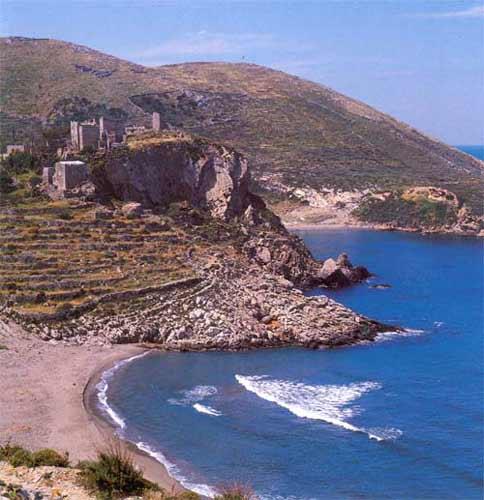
(323, 226)
(50, 407)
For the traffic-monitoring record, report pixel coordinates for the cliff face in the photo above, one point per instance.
(157, 170)
(161, 170)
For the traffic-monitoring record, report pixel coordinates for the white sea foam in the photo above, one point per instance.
(174, 471)
(391, 335)
(103, 386)
(198, 393)
(328, 403)
(207, 410)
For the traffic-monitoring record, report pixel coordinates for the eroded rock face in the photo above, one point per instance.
(207, 176)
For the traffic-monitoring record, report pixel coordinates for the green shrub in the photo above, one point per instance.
(20, 162)
(64, 307)
(18, 456)
(406, 213)
(7, 451)
(6, 183)
(113, 474)
(50, 457)
(21, 457)
(236, 491)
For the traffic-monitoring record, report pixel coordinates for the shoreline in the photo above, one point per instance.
(50, 407)
(322, 226)
(152, 469)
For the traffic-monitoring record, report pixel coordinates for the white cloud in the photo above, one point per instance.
(472, 12)
(210, 44)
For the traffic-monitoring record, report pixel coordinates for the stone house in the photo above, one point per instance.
(67, 175)
(84, 134)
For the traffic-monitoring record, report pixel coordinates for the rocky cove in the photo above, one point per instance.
(235, 275)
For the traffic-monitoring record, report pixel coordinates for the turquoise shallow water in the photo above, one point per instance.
(399, 418)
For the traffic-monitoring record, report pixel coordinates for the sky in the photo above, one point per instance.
(421, 61)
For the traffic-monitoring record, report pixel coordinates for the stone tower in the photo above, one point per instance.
(156, 122)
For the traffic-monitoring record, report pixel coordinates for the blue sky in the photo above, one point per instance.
(421, 61)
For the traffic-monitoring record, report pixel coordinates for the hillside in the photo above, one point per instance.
(296, 134)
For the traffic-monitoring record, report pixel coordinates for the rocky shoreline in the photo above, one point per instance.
(232, 305)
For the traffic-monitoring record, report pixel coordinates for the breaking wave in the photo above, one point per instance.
(391, 335)
(102, 390)
(207, 410)
(202, 489)
(328, 403)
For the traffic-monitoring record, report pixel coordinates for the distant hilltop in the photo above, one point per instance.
(316, 154)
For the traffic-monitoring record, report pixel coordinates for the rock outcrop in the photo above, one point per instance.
(233, 305)
(161, 169)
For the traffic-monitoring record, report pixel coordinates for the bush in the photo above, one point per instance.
(113, 474)
(21, 457)
(20, 162)
(18, 456)
(406, 213)
(236, 491)
(50, 457)
(6, 183)
(64, 307)
(8, 451)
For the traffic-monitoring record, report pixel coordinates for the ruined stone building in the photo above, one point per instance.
(84, 134)
(66, 175)
(107, 132)
(110, 132)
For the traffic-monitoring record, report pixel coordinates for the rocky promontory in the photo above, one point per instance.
(174, 249)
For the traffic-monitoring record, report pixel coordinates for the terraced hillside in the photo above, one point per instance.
(55, 256)
(296, 134)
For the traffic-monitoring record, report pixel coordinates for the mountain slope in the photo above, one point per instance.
(296, 134)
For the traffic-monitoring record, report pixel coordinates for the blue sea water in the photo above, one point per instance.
(477, 151)
(399, 418)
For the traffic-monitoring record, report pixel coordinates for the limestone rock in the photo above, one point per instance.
(132, 210)
(207, 176)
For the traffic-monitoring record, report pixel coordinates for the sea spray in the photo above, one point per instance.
(191, 396)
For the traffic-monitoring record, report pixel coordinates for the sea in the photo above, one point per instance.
(398, 418)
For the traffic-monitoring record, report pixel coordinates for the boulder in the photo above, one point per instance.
(132, 210)
(341, 273)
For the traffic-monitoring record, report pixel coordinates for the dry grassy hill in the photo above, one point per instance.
(296, 133)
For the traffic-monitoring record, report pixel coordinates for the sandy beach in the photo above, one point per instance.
(43, 390)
